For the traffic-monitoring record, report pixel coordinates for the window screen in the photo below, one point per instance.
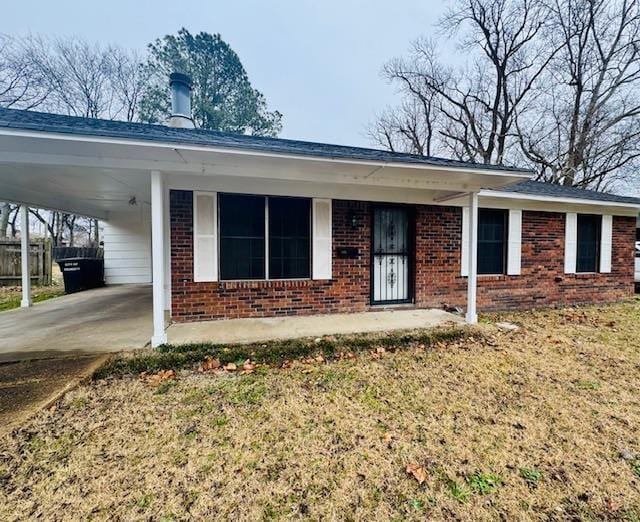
(289, 238)
(492, 230)
(242, 230)
(589, 227)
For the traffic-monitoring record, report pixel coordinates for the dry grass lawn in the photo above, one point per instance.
(10, 296)
(537, 424)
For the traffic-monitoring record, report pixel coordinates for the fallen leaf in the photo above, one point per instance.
(209, 364)
(155, 379)
(248, 366)
(417, 472)
(612, 505)
(231, 367)
(388, 437)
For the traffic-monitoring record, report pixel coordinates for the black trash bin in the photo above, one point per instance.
(81, 273)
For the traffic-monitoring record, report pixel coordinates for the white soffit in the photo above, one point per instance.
(34, 147)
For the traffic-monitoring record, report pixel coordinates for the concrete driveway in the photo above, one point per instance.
(102, 320)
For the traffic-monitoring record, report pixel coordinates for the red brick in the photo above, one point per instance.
(437, 268)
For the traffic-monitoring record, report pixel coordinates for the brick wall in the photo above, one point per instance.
(348, 291)
(437, 279)
(542, 281)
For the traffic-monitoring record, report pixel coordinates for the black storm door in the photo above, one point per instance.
(391, 259)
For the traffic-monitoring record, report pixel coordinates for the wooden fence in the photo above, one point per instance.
(10, 263)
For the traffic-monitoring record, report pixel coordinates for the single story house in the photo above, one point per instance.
(235, 226)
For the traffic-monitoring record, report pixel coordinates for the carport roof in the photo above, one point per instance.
(57, 123)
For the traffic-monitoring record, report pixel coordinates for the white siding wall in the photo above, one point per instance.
(127, 248)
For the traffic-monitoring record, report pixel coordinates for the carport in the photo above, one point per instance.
(97, 177)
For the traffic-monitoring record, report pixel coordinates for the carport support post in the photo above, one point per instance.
(472, 280)
(24, 257)
(157, 254)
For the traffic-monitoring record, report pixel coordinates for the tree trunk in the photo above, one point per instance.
(5, 209)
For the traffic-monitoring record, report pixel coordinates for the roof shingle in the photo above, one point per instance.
(539, 188)
(46, 122)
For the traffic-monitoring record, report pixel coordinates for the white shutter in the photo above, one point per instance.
(605, 243)
(205, 236)
(322, 248)
(570, 243)
(464, 247)
(514, 252)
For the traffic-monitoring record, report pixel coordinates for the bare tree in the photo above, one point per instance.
(550, 83)
(21, 84)
(586, 129)
(476, 104)
(408, 128)
(8, 218)
(87, 79)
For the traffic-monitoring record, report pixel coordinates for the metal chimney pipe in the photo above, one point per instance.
(180, 85)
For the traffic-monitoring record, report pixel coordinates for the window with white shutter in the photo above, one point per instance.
(570, 243)
(606, 238)
(322, 248)
(514, 249)
(499, 242)
(205, 238)
(464, 247)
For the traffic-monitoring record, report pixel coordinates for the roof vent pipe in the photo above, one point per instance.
(180, 85)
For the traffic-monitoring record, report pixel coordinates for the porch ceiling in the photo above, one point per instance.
(97, 176)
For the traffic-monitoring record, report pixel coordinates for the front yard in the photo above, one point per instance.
(541, 423)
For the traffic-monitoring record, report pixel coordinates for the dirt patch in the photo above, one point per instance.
(26, 385)
(540, 423)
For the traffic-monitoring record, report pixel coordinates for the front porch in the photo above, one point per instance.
(117, 318)
(240, 331)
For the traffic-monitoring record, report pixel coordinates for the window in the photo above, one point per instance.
(588, 242)
(289, 238)
(492, 231)
(242, 237)
(249, 223)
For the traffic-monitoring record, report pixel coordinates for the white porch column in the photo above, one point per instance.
(24, 257)
(472, 280)
(157, 254)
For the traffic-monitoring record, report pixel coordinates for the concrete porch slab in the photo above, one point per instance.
(241, 331)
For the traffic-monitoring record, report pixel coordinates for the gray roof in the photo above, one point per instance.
(538, 188)
(45, 122)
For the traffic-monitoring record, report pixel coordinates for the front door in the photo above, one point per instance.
(391, 262)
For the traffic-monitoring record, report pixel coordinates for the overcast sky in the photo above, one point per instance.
(316, 62)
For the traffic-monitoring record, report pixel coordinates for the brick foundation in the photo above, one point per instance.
(437, 269)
